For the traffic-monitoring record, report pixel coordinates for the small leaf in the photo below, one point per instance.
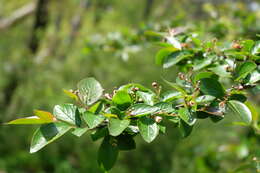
(175, 58)
(147, 97)
(142, 109)
(93, 120)
(200, 64)
(70, 94)
(211, 86)
(185, 129)
(165, 107)
(44, 115)
(174, 42)
(122, 99)
(176, 86)
(254, 77)
(202, 75)
(90, 90)
(256, 48)
(67, 113)
(29, 120)
(96, 108)
(205, 99)
(46, 134)
(162, 53)
(221, 70)
(79, 131)
(241, 110)
(148, 128)
(244, 69)
(99, 133)
(170, 95)
(186, 116)
(117, 126)
(107, 154)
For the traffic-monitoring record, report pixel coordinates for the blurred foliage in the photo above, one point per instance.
(110, 33)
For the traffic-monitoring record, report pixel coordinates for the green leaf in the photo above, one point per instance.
(68, 113)
(165, 107)
(170, 95)
(125, 142)
(221, 71)
(117, 126)
(186, 116)
(99, 133)
(176, 86)
(46, 134)
(79, 131)
(205, 99)
(185, 129)
(162, 53)
(122, 99)
(44, 115)
(93, 120)
(107, 154)
(147, 97)
(142, 109)
(256, 48)
(244, 69)
(175, 58)
(254, 76)
(211, 86)
(96, 108)
(29, 120)
(90, 90)
(148, 128)
(241, 110)
(200, 64)
(202, 75)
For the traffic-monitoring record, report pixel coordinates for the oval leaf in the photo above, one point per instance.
(148, 128)
(46, 134)
(90, 90)
(107, 154)
(67, 113)
(117, 126)
(211, 86)
(122, 99)
(241, 110)
(93, 120)
(142, 109)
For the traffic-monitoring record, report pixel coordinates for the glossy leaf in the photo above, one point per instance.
(147, 97)
(162, 53)
(186, 116)
(176, 86)
(170, 95)
(241, 111)
(211, 86)
(202, 75)
(142, 109)
(205, 99)
(117, 126)
(148, 128)
(244, 69)
(67, 113)
(90, 90)
(175, 58)
(93, 120)
(46, 134)
(122, 99)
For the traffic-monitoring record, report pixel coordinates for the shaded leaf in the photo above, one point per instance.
(186, 116)
(244, 69)
(46, 134)
(107, 154)
(211, 86)
(79, 131)
(125, 142)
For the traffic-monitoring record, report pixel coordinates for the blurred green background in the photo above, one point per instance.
(49, 45)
